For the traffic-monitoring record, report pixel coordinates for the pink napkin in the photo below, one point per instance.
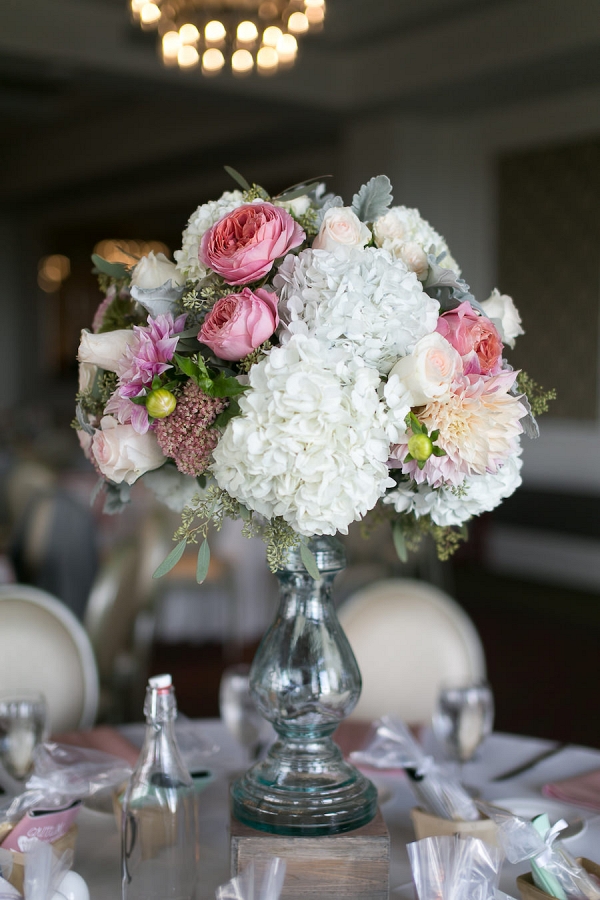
(581, 790)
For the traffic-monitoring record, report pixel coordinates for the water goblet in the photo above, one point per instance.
(22, 728)
(463, 718)
(239, 713)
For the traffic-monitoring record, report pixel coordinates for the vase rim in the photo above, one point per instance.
(329, 553)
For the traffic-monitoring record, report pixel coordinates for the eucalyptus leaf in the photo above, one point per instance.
(244, 513)
(400, 542)
(188, 333)
(310, 563)
(304, 186)
(332, 202)
(237, 177)
(171, 560)
(297, 192)
(115, 270)
(161, 300)
(373, 199)
(203, 561)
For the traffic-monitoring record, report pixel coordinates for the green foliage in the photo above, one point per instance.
(538, 397)
(247, 362)
(112, 269)
(121, 313)
(308, 221)
(256, 192)
(237, 177)
(409, 531)
(280, 538)
(95, 399)
(214, 383)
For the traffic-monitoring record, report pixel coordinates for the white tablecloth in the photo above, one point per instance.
(98, 850)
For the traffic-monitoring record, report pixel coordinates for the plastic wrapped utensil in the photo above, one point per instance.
(251, 885)
(454, 868)
(392, 746)
(64, 773)
(554, 869)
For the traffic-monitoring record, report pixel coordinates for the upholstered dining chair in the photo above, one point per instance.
(408, 638)
(44, 648)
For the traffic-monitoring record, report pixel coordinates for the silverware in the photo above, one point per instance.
(524, 767)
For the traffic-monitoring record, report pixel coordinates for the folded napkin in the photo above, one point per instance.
(581, 790)
(103, 738)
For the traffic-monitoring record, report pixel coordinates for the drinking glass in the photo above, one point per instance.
(22, 728)
(463, 718)
(239, 712)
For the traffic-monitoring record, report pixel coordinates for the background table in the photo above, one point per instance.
(98, 851)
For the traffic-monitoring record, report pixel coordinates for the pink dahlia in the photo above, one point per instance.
(478, 428)
(150, 354)
(188, 435)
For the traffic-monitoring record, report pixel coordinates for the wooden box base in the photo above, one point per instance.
(351, 866)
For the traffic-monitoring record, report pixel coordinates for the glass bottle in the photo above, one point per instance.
(305, 681)
(159, 844)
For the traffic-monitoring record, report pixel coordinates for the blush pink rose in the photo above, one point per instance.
(239, 323)
(475, 337)
(244, 244)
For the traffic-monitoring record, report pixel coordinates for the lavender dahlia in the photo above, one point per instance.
(188, 434)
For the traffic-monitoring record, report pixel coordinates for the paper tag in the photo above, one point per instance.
(42, 825)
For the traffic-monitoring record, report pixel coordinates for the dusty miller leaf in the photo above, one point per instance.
(373, 199)
(159, 301)
(331, 203)
(117, 497)
(82, 420)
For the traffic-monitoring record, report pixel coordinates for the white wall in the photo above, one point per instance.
(447, 169)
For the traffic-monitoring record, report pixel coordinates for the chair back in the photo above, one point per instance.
(44, 648)
(408, 638)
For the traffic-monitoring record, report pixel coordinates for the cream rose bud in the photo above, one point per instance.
(415, 258)
(502, 310)
(341, 227)
(105, 350)
(87, 375)
(296, 207)
(428, 372)
(122, 454)
(153, 271)
(388, 228)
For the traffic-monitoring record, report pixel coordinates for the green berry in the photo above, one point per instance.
(160, 403)
(420, 447)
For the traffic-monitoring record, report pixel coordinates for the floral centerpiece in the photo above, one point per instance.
(301, 364)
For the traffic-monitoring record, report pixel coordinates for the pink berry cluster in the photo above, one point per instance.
(188, 435)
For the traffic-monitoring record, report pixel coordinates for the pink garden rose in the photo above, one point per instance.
(475, 337)
(239, 323)
(244, 244)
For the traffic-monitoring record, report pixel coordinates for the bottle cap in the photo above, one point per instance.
(160, 682)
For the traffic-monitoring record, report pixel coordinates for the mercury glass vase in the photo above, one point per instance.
(305, 680)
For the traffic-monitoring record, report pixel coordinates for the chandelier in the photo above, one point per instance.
(250, 35)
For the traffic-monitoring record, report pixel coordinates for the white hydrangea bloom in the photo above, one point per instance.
(199, 222)
(481, 493)
(401, 226)
(363, 301)
(310, 443)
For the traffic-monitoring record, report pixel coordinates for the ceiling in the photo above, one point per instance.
(87, 110)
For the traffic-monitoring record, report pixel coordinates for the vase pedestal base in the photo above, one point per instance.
(350, 866)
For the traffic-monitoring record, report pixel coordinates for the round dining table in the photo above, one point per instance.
(98, 848)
